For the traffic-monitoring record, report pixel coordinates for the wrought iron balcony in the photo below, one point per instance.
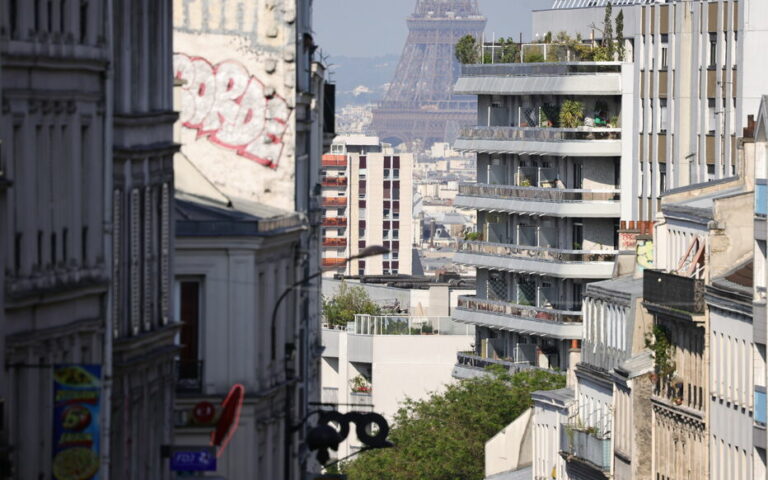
(674, 292)
(334, 202)
(541, 194)
(586, 445)
(189, 376)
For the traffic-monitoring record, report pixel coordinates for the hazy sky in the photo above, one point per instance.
(369, 28)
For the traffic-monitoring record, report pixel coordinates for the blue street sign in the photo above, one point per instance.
(193, 459)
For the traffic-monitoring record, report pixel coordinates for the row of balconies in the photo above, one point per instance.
(333, 181)
(555, 262)
(333, 202)
(334, 242)
(581, 141)
(329, 160)
(334, 222)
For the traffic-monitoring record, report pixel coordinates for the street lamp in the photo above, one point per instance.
(371, 251)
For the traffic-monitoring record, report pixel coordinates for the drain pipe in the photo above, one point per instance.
(106, 401)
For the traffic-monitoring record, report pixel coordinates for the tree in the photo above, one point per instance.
(341, 309)
(608, 31)
(620, 35)
(466, 50)
(510, 51)
(571, 114)
(443, 437)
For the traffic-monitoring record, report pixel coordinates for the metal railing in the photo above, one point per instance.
(471, 302)
(537, 253)
(540, 134)
(542, 194)
(586, 445)
(472, 360)
(407, 325)
(189, 376)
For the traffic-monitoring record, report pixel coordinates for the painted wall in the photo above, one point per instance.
(236, 60)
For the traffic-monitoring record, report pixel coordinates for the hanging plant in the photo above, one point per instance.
(663, 351)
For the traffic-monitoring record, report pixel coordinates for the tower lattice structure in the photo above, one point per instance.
(419, 107)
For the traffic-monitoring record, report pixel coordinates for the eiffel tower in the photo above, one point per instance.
(419, 108)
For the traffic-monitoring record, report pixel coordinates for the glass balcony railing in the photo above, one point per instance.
(541, 194)
(470, 302)
(760, 406)
(761, 198)
(586, 445)
(538, 253)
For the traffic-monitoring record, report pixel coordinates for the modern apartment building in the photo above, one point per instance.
(87, 234)
(547, 198)
(367, 198)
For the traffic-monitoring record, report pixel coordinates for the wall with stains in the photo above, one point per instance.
(234, 62)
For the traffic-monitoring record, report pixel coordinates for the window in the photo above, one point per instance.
(396, 173)
(386, 174)
(189, 297)
(83, 21)
(664, 45)
(712, 50)
(711, 115)
(395, 234)
(14, 16)
(64, 245)
(662, 177)
(84, 246)
(17, 243)
(39, 249)
(662, 115)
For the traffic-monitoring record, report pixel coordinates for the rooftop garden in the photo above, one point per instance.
(560, 47)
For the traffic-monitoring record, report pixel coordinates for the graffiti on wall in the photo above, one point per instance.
(232, 108)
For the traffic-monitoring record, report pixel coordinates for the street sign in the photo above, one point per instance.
(193, 459)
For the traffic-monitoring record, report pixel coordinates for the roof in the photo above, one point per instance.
(700, 208)
(203, 210)
(636, 365)
(359, 140)
(734, 289)
(525, 473)
(618, 290)
(560, 396)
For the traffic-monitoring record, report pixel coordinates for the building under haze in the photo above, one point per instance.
(367, 195)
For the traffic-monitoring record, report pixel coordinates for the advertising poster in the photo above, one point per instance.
(76, 396)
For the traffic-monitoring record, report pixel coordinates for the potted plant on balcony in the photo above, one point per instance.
(571, 114)
(360, 385)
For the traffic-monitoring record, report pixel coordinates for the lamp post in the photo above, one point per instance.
(371, 251)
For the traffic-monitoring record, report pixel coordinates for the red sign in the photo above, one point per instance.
(203, 413)
(229, 419)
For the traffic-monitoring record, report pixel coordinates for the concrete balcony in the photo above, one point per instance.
(335, 242)
(334, 222)
(334, 181)
(557, 202)
(333, 202)
(553, 262)
(574, 142)
(329, 160)
(471, 365)
(562, 324)
(565, 78)
(330, 262)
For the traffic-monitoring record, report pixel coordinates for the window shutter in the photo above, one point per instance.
(135, 238)
(165, 247)
(117, 253)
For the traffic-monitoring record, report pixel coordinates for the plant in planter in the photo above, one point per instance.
(571, 114)
(663, 351)
(360, 385)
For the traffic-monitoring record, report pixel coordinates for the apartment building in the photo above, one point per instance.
(87, 149)
(548, 201)
(367, 199)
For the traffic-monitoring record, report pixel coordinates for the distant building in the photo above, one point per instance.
(367, 195)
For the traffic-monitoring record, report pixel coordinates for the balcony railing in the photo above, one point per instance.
(334, 181)
(365, 324)
(472, 360)
(538, 193)
(760, 406)
(334, 161)
(335, 242)
(333, 262)
(673, 291)
(540, 134)
(586, 446)
(334, 202)
(470, 302)
(334, 222)
(189, 376)
(538, 253)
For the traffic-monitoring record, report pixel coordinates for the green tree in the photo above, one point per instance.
(467, 50)
(571, 114)
(443, 437)
(620, 35)
(341, 309)
(608, 32)
(510, 51)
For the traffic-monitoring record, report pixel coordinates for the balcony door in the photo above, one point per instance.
(578, 176)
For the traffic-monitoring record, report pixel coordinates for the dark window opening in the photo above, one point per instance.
(14, 16)
(49, 11)
(83, 21)
(54, 256)
(189, 313)
(62, 15)
(17, 243)
(64, 245)
(39, 248)
(84, 245)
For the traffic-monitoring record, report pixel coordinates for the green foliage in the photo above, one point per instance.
(663, 351)
(608, 32)
(341, 309)
(620, 35)
(533, 57)
(510, 51)
(467, 50)
(360, 384)
(548, 37)
(443, 437)
(473, 236)
(571, 114)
